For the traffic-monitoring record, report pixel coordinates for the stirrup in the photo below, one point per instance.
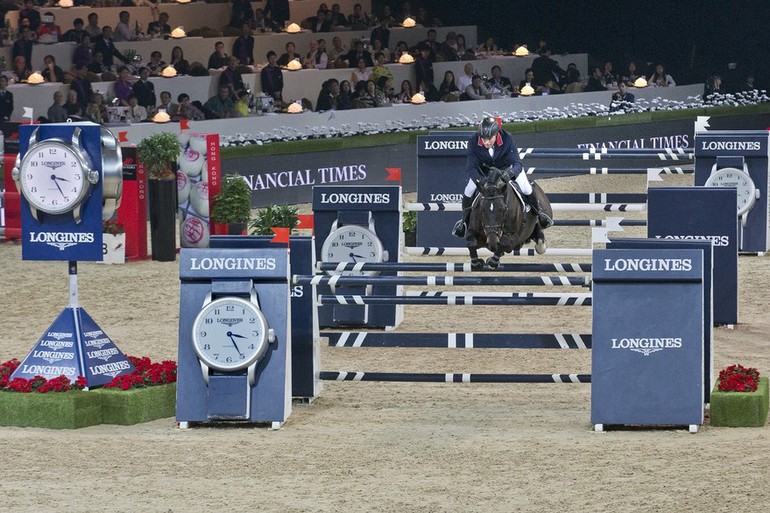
(544, 220)
(459, 229)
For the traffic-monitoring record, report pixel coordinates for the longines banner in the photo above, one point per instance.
(285, 179)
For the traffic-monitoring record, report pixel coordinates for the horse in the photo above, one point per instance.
(500, 222)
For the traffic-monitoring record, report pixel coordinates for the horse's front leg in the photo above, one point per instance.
(494, 260)
(539, 237)
(477, 264)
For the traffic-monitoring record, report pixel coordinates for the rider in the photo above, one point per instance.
(492, 147)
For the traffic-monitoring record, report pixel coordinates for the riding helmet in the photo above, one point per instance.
(488, 128)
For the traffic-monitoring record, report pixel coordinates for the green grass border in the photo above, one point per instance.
(740, 409)
(54, 410)
(128, 407)
(387, 139)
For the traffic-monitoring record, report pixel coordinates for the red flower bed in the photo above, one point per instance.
(37, 384)
(737, 378)
(147, 374)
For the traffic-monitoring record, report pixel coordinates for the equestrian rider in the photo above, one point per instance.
(493, 147)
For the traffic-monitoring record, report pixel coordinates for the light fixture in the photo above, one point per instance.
(521, 51)
(35, 78)
(527, 90)
(418, 98)
(294, 108)
(408, 23)
(640, 82)
(161, 117)
(168, 72)
(65, 4)
(293, 28)
(294, 65)
(406, 59)
(178, 33)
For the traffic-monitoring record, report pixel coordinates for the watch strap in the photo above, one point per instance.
(357, 217)
(230, 288)
(731, 161)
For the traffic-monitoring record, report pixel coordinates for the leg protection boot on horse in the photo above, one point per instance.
(461, 226)
(543, 218)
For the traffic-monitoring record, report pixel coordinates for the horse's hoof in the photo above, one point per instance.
(541, 246)
(493, 262)
(477, 264)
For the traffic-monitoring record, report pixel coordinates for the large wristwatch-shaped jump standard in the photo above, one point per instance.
(733, 172)
(56, 176)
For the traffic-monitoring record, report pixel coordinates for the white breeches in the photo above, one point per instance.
(522, 180)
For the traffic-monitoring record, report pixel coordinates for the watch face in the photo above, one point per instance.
(230, 334)
(53, 177)
(352, 243)
(734, 177)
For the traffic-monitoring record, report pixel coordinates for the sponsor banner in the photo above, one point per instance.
(221, 263)
(702, 213)
(356, 198)
(647, 350)
(132, 212)
(102, 359)
(63, 236)
(198, 181)
(723, 143)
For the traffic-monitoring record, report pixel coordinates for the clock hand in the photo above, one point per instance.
(59, 178)
(53, 177)
(353, 255)
(230, 334)
(236, 335)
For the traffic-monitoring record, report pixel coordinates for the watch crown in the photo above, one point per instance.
(16, 174)
(93, 176)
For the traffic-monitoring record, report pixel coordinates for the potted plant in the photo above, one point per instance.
(232, 206)
(409, 227)
(274, 216)
(113, 242)
(740, 398)
(158, 154)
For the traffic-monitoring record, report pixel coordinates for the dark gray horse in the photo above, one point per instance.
(499, 222)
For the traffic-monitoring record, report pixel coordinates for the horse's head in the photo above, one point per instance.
(493, 207)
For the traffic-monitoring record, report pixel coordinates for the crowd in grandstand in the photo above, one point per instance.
(364, 79)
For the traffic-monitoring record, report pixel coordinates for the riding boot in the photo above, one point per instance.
(543, 218)
(461, 226)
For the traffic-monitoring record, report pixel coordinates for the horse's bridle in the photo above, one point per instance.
(497, 229)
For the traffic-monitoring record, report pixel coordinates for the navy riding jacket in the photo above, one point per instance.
(505, 155)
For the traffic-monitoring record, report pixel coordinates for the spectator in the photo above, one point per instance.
(97, 66)
(379, 69)
(448, 90)
(271, 77)
(262, 23)
(476, 91)
(547, 69)
(93, 26)
(572, 82)
(433, 45)
(75, 34)
(241, 13)
(96, 110)
(278, 10)
(82, 88)
(219, 58)
(345, 100)
(319, 23)
(401, 49)
(327, 98)
(748, 83)
(52, 72)
(83, 54)
(462, 48)
(123, 86)
(6, 99)
(387, 15)
(406, 92)
(290, 55)
(622, 95)
(23, 47)
(56, 112)
(448, 49)
(135, 113)
(499, 84)
(231, 77)
(630, 74)
(72, 98)
(123, 30)
(360, 73)
(356, 53)
(187, 110)
(74, 112)
(160, 27)
(156, 64)
(20, 69)
(595, 81)
(406, 11)
(466, 78)
(423, 68)
(337, 52)
(242, 105)
(382, 32)
(712, 88)
(529, 80)
(180, 64)
(315, 58)
(336, 18)
(365, 97)
(660, 78)
(488, 46)
(383, 92)
(48, 31)
(542, 47)
(144, 90)
(106, 45)
(165, 104)
(359, 20)
(243, 48)
(608, 77)
(31, 14)
(425, 19)
(377, 48)
(220, 105)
